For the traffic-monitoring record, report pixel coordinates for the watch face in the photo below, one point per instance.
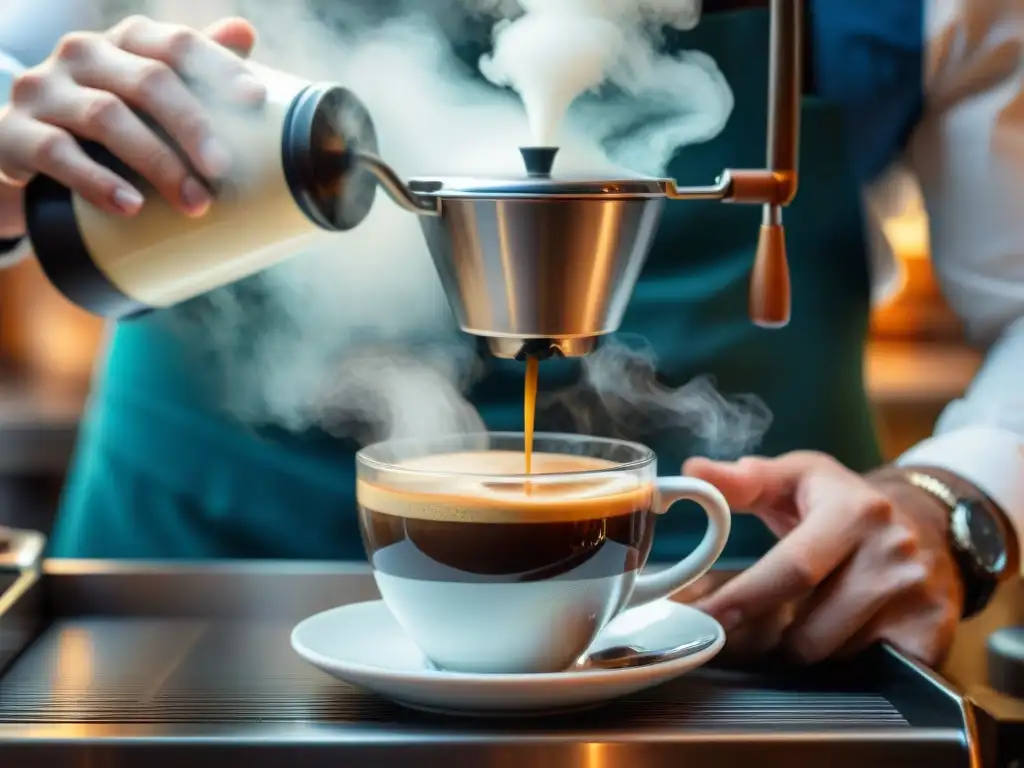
(979, 534)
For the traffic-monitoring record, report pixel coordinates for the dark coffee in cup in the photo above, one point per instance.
(507, 530)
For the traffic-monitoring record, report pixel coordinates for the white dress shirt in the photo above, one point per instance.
(29, 29)
(967, 156)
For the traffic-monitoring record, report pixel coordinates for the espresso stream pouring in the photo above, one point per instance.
(538, 265)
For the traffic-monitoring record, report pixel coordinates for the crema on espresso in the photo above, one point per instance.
(475, 516)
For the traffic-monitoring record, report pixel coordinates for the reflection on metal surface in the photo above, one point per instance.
(623, 656)
(21, 549)
(144, 671)
(149, 664)
(72, 671)
(540, 269)
(597, 755)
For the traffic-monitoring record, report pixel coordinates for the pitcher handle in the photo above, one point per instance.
(654, 586)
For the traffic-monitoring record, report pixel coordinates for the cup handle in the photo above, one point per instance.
(654, 586)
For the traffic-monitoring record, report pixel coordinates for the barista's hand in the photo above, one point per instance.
(860, 560)
(90, 86)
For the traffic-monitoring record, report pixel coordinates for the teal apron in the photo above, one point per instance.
(161, 473)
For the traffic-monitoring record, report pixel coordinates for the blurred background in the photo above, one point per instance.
(915, 364)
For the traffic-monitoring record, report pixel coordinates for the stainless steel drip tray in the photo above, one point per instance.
(122, 664)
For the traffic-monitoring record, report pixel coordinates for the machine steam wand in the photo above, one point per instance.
(769, 282)
(775, 186)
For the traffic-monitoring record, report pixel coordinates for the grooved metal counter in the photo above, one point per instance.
(154, 665)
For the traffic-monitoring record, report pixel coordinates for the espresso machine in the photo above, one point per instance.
(537, 265)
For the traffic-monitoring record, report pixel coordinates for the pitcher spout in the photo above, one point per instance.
(397, 189)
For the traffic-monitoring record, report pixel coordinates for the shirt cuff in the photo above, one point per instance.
(989, 458)
(13, 251)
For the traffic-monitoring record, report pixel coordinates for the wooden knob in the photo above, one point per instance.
(769, 281)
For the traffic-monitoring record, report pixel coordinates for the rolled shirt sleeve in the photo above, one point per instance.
(968, 156)
(11, 251)
(29, 29)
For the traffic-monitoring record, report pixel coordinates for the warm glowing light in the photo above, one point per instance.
(908, 234)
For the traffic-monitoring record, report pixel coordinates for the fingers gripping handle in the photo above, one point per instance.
(654, 586)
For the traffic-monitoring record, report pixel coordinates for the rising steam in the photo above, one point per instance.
(620, 396)
(650, 105)
(580, 46)
(354, 334)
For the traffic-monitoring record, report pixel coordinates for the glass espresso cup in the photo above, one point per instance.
(491, 570)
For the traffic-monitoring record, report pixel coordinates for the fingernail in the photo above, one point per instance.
(195, 197)
(215, 157)
(128, 199)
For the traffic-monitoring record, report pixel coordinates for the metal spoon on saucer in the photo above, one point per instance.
(623, 656)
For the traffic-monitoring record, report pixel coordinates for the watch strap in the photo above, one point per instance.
(934, 486)
(977, 593)
(978, 586)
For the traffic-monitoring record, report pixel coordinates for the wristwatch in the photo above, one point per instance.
(977, 538)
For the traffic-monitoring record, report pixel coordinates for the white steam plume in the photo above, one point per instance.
(560, 49)
(620, 395)
(354, 334)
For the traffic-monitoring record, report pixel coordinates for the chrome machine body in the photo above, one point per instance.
(160, 664)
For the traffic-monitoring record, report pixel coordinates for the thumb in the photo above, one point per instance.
(756, 484)
(747, 484)
(235, 34)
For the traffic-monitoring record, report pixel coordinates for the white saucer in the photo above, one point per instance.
(362, 644)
